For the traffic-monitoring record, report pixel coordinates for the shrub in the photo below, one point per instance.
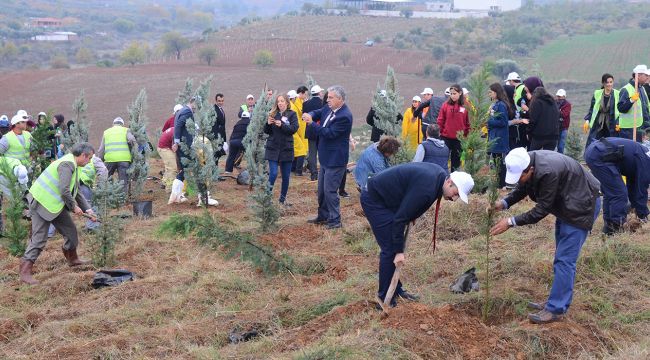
(428, 70)
(60, 62)
(344, 39)
(124, 26)
(503, 67)
(105, 63)
(207, 55)
(451, 72)
(263, 58)
(438, 52)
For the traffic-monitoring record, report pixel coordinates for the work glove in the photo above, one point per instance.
(618, 128)
(634, 97)
(585, 127)
(484, 130)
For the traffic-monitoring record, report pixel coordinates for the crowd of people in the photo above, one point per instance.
(309, 129)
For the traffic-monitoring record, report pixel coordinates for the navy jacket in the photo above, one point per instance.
(180, 128)
(497, 126)
(408, 190)
(334, 137)
(279, 145)
(313, 104)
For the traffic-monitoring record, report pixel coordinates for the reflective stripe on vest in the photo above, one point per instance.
(19, 150)
(598, 94)
(519, 92)
(88, 173)
(244, 107)
(116, 148)
(46, 188)
(626, 120)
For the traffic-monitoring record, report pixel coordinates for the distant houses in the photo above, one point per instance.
(56, 36)
(52, 23)
(451, 9)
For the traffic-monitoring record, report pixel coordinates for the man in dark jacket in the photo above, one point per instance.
(313, 104)
(562, 187)
(397, 196)
(333, 135)
(236, 147)
(433, 104)
(609, 159)
(219, 127)
(565, 118)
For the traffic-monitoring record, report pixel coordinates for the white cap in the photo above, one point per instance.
(21, 173)
(42, 113)
(448, 91)
(427, 91)
(561, 92)
(22, 113)
(250, 96)
(4, 117)
(245, 114)
(464, 183)
(16, 119)
(292, 94)
(417, 98)
(465, 91)
(177, 107)
(516, 161)
(640, 69)
(118, 120)
(513, 76)
(315, 89)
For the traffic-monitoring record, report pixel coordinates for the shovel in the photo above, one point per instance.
(385, 304)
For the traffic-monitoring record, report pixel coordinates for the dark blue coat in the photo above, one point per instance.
(497, 126)
(279, 145)
(334, 137)
(180, 129)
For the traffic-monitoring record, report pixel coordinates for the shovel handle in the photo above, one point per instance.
(90, 217)
(393, 285)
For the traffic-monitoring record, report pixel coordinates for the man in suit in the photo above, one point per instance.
(333, 135)
(313, 104)
(219, 128)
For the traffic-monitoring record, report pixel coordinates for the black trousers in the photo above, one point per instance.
(497, 160)
(454, 152)
(536, 144)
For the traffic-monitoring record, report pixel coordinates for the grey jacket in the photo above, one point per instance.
(65, 171)
(560, 186)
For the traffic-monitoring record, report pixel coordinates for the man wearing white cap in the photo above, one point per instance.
(249, 106)
(565, 118)
(399, 195)
(629, 104)
(562, 187)
(9, 167)
(115, 150)
(17, 143)
(169, 123)
(429, 108)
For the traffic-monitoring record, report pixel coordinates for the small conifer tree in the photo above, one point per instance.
(16, 229)
(41, 145)
(573, 146)
(139, 168)
(263, 207)
(185, 94)
(388, 107)
(200, 167)
(310, 82)
(78, 132)
(107, 195)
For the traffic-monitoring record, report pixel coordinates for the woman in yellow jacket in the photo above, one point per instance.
(412, 127)
(300, 143)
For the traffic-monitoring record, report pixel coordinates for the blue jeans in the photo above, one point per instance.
(568, 242)
(562, 141)
(285, 168)
(381, 223)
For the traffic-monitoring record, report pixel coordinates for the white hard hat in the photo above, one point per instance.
(177, 107)
(315, 89)
(16, 119)
(417, 98)
(427, 91)
(513, 76)
(292, 94)
(640, 69)
(561, 92)
(118, 120)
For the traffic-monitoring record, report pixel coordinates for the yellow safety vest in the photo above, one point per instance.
(88, 173)
(519, 92)
(626, 120)
(45, 189)
(16, 149)
(116, 148)
(598, 94)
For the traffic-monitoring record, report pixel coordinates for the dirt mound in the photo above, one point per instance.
(436, 332)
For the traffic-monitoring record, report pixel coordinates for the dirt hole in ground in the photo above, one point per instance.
(501, 311)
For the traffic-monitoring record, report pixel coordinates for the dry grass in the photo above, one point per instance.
(187, 298)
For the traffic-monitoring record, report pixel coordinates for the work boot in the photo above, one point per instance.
(73, 258)
(536, 306)
(408, 296)
(26, 272)
(544, 317)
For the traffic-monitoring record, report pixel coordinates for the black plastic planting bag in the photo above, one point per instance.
(465, 283)
(111, 278)
(244, 178)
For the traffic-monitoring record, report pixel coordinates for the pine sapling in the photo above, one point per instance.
(107, 195)
(139, 168)
(78, 132)
(574, 146)
(388, 107)
(16, 230)
(488, 222)
(185, 94)
(42, 146)
(263, 206)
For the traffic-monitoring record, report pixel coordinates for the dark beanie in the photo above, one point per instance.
(533, 83)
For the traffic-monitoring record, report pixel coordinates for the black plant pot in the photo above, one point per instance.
(143, 209)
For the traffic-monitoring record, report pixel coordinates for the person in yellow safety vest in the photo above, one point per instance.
(94, 171)
(412, 126)
(17, 143)
(602, 119)
(628, 104)
(300, 142)
(115, 150)
(51, 198)
(9, 166)
(249, 106)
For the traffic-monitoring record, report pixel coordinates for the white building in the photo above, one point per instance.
(56, 36)
(486, 5)
(442, 6)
